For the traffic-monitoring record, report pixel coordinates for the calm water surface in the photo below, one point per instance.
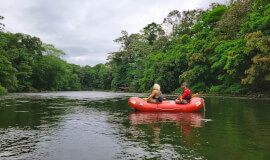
(101, 125)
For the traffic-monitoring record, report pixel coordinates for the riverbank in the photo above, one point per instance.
(255, 95)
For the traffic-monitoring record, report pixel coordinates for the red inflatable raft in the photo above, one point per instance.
(139, 104)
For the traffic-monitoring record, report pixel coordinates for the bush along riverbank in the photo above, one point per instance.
(220, 50)
(3, 91)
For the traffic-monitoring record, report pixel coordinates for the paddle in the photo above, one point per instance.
(181, 98)
(194, 95)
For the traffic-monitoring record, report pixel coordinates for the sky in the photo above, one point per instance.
(85, 29)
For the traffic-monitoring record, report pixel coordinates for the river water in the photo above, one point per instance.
(101, 125)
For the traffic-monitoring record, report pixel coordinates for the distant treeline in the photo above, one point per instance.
(224, 49)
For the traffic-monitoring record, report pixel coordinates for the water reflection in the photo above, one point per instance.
(187, 122)
(192, 119)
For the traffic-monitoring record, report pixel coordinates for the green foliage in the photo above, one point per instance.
(217, 89)
(21, 50)
(51, 50)
(189, 19)
(8, 74)
(3, 91)
(152, 32)
(50, 73)
(259, 5)
(199, 53)
(259, 70)
(224, 49)
(235, 88)
(199, 87)
(214, 16)
(258, 21)
(235, 16)
(74, 83)
(211, 50)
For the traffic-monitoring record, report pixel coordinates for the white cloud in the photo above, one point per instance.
(86, 59)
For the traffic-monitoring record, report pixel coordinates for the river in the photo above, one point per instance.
(101, 125)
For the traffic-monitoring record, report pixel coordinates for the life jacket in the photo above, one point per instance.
(187, 93)
(158, 96)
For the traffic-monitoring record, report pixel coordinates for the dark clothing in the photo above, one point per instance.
(152, 100)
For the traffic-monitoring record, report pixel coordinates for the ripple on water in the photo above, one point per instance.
(21, 111)
(56, 107)
(16, 141)
(20, 143)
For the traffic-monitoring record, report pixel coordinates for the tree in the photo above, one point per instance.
(1, 24)
(7, 74)
(74, 83)
(152, 32)
(105, 77)
(231, 21)
(259, 72)
(50, 73)
(187, 22)
(214, 16)
(223, 49)
(49, 49)
(173, 19)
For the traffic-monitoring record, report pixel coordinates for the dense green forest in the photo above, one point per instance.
(223, 49)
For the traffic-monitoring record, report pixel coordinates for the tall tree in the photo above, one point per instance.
(173, 19)
(152, 32)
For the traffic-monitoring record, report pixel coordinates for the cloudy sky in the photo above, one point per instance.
(85, 29)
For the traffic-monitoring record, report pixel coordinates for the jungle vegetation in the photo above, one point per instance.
(224, 49)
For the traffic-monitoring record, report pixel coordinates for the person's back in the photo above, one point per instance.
(156, 95)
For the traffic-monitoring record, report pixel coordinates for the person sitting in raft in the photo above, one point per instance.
(156, 95)
(185, 97)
